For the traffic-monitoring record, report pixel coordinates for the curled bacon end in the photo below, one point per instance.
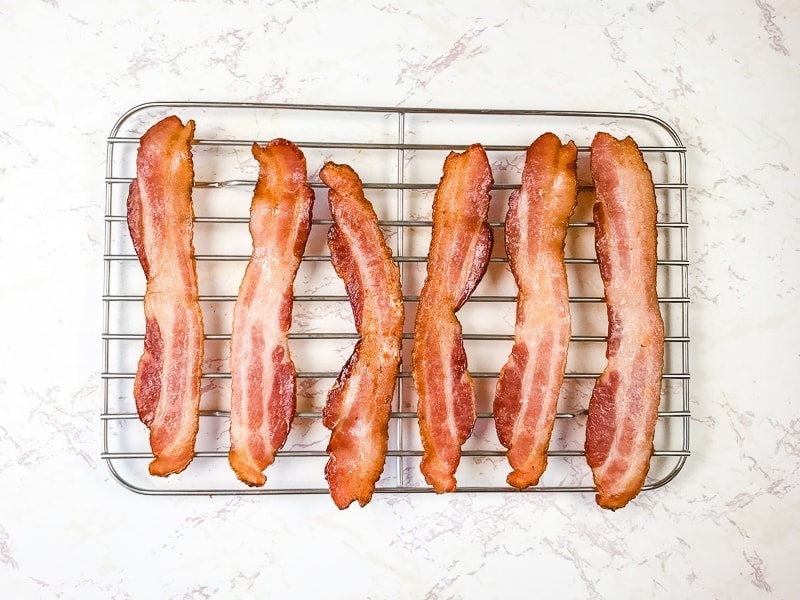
(358, 406)
(263, 376)
(528, 385)
(461, 245)
(624, 405)
(160, 220)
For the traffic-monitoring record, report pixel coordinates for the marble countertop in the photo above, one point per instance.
(726, 76)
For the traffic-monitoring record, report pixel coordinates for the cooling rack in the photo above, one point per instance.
(398, 153)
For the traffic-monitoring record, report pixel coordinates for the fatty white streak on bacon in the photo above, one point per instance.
(160, 220)
(535, 231)
(358, 406)
(263, 376)
(624, 405)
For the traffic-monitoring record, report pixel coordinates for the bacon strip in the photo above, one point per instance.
(459, 253)
(535, 231)
(263, 376)
(160, 220)
(624, 405)
(358, 407)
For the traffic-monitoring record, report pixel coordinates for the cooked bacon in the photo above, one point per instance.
(624, 405)
(359, 404)
(160, 219)
(263, 376)
(535, 231)
(459, 253)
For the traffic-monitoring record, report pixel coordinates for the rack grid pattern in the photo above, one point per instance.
(399, 153)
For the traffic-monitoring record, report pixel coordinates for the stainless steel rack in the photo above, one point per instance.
(399, 153)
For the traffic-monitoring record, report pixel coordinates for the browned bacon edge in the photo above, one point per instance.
(263, 376)
(624, 405)
(358, 406)
(461, 245)
(535, 231)
(160, 220)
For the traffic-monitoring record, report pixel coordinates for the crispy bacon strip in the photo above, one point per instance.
(359, 404)
(460, 249)
(528, 385)
(160, 215)
(624, 405)
(263, 376)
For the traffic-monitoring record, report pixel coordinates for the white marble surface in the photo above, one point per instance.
(727, 75)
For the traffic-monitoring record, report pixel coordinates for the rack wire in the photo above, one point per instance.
(399, 154)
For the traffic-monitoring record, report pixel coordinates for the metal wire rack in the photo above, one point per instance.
(398, 153)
